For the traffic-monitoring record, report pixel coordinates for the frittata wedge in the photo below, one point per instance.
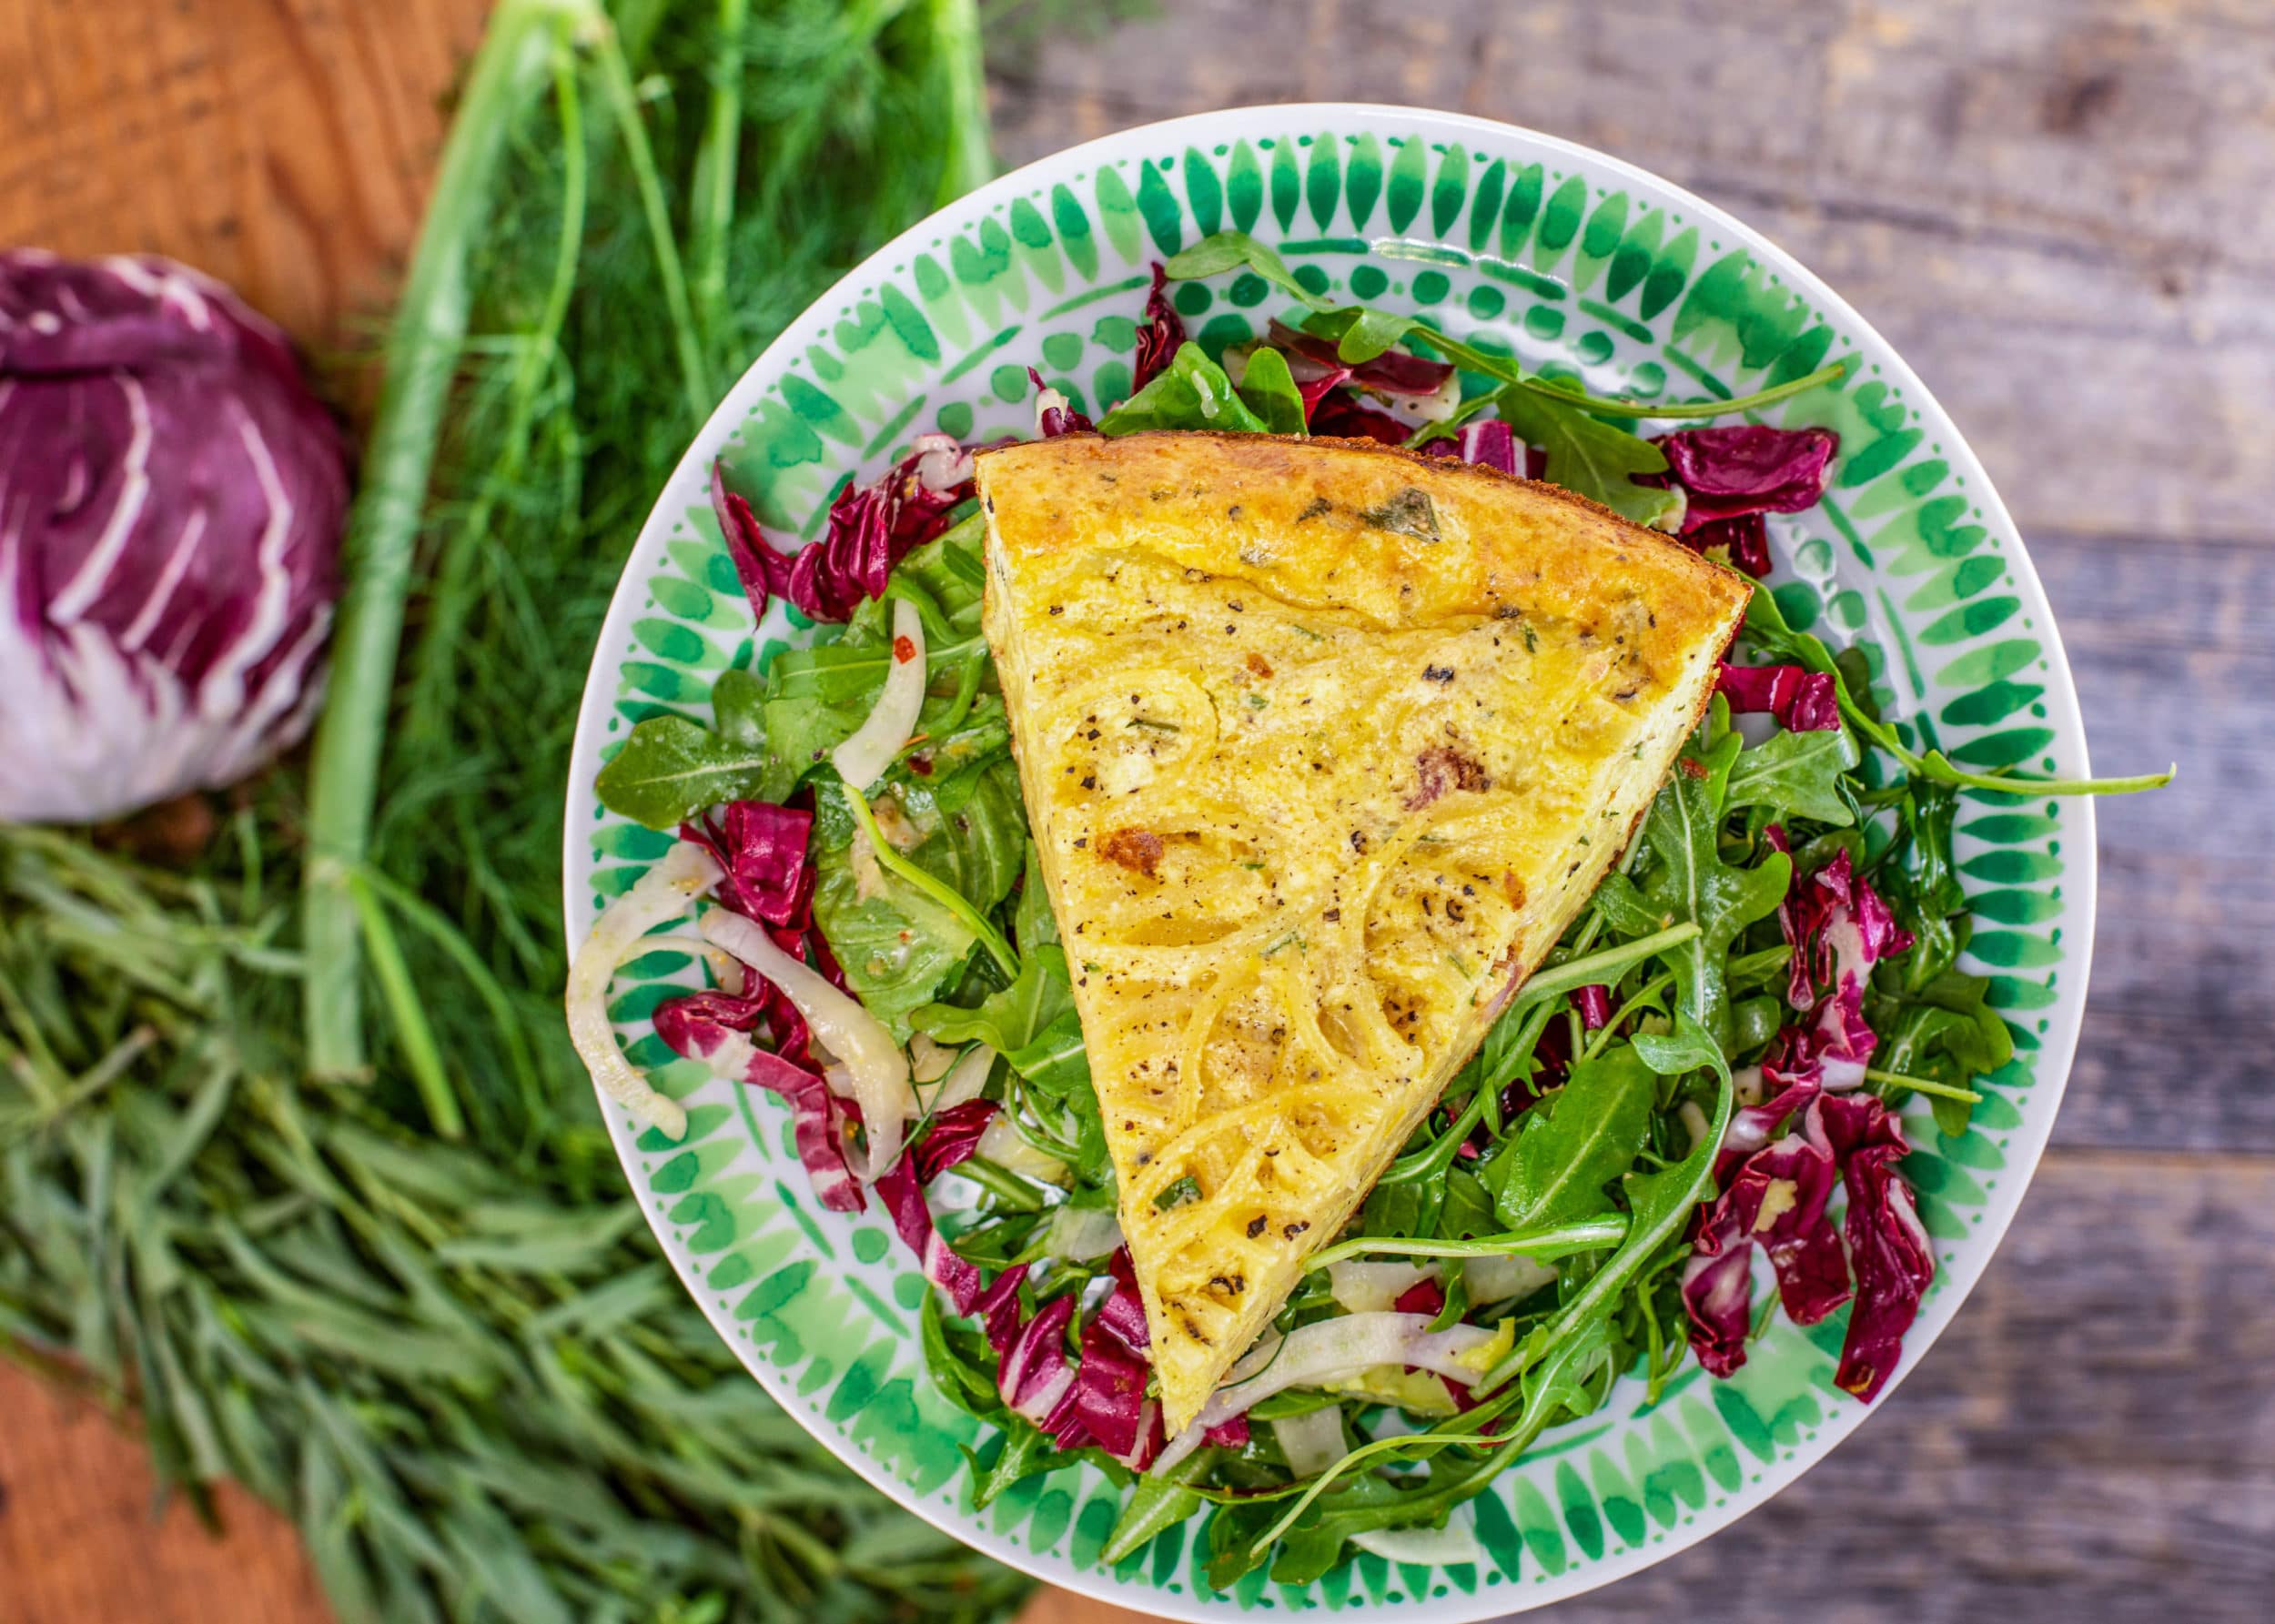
(1324, 745)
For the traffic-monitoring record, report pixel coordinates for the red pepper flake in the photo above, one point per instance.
(903, 650)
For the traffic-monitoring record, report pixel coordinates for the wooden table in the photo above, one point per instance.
(2059, 210)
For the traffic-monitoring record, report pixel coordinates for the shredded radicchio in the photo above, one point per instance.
(769, 877)
(715, 1026)
(1748, 468)
(1775, 1192)
(1339, 415)
(1053, 415)
(953, 1138)
(1802, 701)
(1486, 441)
(1777, 1197)
(871, 528)
(1887, 1245)
(1731, 476)
(1839, 928)
(1160, 338)
(1743, 539)
(1315, 365)
(762, 849)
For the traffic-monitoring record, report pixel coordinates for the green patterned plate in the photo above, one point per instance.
(1576, 259)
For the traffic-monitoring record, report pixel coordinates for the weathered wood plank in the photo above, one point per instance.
(2093, 1438)
(84, 1540)
(2051, 209)
(283, 147)
(2174, 650)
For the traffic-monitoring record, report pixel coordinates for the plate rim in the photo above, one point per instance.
(2051, 1069)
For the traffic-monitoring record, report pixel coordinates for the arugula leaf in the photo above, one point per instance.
(1269, 389)
(977, 843)
(1161, 1500)
(894, 942)
(1798, 774)
(1406, 1208)
(1361, 332)
(1919, 880)
(1377, 330)
(1686, 878)
(1687, 1048)
(961, 1363)
(1658, 1204)
(1033, 924)
(670, 769)
(1058, 1068)
(950, 568)
(1945, 1033)
(1191, 392)
(1027, 1451)
(1590, 458)
(1766, 629)
(1011, 1019)
(736, 699)
(1568, 1148)
(1232, 250)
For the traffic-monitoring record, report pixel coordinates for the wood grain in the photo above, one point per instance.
(2057, 209)
(84, 1539)
(2053, 208)
(284, 145)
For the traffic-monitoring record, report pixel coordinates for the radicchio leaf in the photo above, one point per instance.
(1803, 701)
(1738, 469)
(703, 1025)
(769, 877)
(1718, 1295)
(1839, 928)
(1338, 415)
(904, 1196)
(1490, 443)
(1053, 415)
(1887, 1245)
(953, 1138)
(1742, 540)
(1161, 335)
(761, 847)
(1034, 1374)
(170, 546)
(1393, 372)
(871, 528)
(1777, 1196)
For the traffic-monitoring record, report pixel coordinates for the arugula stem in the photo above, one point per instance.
(1381, 1445)
(1602, 965)
(421, 355)
(1008, 1188)
(624, 107)
(932, 885)
(1642, 994)
(1559, 1240)
(1687, 410)
(1431, 1162)
(1942, 1091)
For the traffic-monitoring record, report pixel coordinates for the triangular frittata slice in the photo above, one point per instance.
(1324, 745)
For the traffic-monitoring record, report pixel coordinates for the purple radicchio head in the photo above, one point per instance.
(171, 497)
